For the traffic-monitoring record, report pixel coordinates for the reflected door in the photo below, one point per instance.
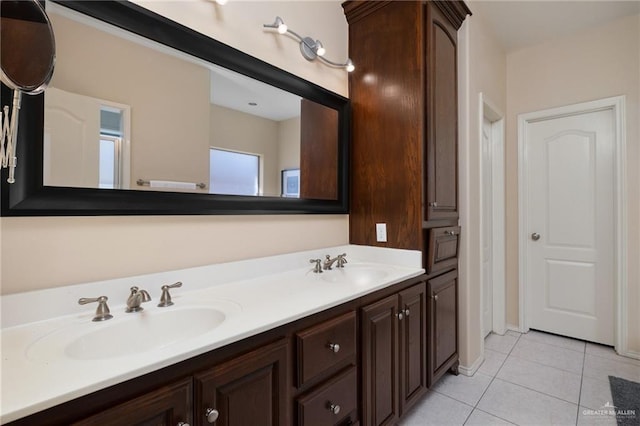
(71, 139)
(571, 236)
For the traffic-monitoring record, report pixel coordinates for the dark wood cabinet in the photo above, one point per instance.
(318, 151)
(441, 116)
(331, 403)
(393, 355)
(404, 157)
(249, 390)
(442, 253)
(404, 149)
(413, 346)
(166, 406)
(443, 325)
(380, 362)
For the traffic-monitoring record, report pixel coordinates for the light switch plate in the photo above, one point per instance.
(381, 232)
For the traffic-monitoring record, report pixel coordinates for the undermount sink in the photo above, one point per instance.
(360, 275)
(133, 334)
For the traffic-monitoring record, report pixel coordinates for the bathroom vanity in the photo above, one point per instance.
(259, 342)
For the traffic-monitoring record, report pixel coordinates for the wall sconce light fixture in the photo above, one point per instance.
(311, 49)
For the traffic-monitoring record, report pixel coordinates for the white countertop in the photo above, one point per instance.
(254, 295)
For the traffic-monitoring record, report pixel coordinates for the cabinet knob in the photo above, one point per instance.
(406, 312)
(435, 297)
(183, 424)
(433, 204)
(212, 415)
(334, 408)
(400, 316)
(452, 233)
(334, 347)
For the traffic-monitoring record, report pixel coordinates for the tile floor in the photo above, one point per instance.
(528, 379)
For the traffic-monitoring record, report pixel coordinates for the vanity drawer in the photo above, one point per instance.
(443, 248)
(331, 403)
(325, 346)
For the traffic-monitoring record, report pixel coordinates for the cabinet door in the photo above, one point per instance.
(318, 151)
(380, 362)
(167, 406)
(443, 324)
(442, 117)
(413, 345)
(250, 390)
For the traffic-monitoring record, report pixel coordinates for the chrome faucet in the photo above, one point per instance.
(339, 260)
(317, 267)
(102, 312)
(165, 298)
(136, 298)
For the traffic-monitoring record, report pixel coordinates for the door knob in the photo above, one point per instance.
(535, 236)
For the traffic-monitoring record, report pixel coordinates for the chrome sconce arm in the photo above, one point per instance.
(311, 49)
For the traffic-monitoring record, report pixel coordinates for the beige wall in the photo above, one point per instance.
(594, 64)
(100, 65)
(289, 144)
(48, 252)
(483, 70)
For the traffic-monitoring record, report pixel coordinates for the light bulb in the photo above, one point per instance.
(279, 25)
(349, 66)
(222, 2)
(320, 50)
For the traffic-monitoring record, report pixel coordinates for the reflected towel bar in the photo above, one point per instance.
(142, 182)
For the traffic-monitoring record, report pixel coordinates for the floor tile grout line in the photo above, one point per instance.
(624, 359)
(584, 359)
(538, 391)
(498, 417)
(493, 378)
(559, 346)
(547, 365)
(554, 346)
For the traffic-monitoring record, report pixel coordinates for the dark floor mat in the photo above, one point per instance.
(626, 398)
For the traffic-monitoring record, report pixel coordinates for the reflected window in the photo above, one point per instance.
(110, 152)
(234, 173)
(109, 161)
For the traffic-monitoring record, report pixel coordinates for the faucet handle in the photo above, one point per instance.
(165, 299)
(102, 311)
(317, 268)
(342, 259)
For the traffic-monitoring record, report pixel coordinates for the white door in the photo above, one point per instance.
(570, 206)
(487, 227)
(71, 139)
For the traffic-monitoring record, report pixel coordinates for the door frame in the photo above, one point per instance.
(488, 109)
(617, 106)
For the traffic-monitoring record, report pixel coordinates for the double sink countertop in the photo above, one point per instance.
(52, 352)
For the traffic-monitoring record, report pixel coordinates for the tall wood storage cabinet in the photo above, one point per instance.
(404, 145)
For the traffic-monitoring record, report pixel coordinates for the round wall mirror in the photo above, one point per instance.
(27, 46)
(27, 59)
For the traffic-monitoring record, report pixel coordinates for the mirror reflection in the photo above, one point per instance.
(124, 112)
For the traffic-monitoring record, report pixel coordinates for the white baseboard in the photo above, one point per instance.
(471, 370)
(630, 354)
(515, 328)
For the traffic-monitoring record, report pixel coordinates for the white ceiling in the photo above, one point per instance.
(236, 91)
(521, 23)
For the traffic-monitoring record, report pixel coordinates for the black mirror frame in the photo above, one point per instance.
(29, 197)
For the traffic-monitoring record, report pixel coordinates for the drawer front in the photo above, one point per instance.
(317, 350)
(331, 403)
(443, 248)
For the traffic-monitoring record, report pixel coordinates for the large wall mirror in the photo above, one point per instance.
(145, 116)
